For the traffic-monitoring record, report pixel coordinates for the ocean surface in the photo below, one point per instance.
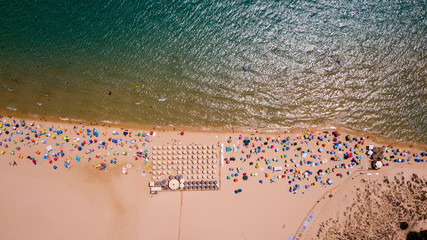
(357, 64)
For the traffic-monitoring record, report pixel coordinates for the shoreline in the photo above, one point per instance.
(241, 129)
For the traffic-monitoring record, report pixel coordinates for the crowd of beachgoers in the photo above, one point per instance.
(302, 161)
(63, 146)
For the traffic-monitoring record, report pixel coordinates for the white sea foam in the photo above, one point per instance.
(106, 121)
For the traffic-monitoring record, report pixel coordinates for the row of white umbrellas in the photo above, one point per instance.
(158, 177)
(174, 157)
(164, 147)
(185, 162)
(184, 171)
(183, 152)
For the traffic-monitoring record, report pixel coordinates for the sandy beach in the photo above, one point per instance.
(63, 180)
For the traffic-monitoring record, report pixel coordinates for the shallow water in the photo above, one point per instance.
(358, 64)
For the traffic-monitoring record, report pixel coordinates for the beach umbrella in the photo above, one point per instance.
(173, 184)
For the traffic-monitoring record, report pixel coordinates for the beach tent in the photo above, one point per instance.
(49, 148)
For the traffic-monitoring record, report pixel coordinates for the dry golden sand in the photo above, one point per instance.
(81, 202)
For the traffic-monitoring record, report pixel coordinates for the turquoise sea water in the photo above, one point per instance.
(359, 64)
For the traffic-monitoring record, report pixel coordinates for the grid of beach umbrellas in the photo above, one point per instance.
(185, 167)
